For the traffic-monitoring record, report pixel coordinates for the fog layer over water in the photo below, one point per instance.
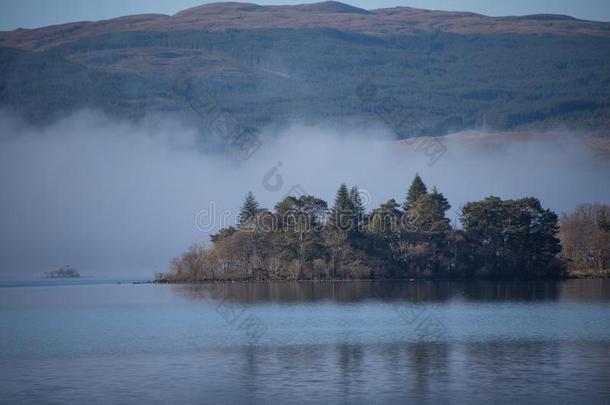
(119, 199)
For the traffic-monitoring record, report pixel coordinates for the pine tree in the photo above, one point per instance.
(342, 199)
(429, 213)
(417, 189)
(248, 210)
(358, 208)
(341, 213)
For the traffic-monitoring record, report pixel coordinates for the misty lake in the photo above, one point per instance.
(360, 342)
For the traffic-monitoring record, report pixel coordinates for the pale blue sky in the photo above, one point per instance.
(36, 13)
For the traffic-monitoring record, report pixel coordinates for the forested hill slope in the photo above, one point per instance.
(446, 71)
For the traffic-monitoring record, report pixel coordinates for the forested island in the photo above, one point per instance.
(63, 272)
(304, 239)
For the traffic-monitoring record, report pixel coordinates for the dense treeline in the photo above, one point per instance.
(304, 238)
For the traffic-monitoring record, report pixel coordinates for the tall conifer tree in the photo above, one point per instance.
(248, 209)
(342, 211)
(417, 189)
(357, 206)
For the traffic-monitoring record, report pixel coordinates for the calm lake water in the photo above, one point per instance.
(365, 342)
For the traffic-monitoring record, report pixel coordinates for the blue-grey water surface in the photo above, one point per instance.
(361, 342)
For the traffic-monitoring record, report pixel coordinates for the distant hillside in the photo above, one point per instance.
(447, 71)
(328, 14)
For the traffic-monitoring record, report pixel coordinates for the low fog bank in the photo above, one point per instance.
(118, 199)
